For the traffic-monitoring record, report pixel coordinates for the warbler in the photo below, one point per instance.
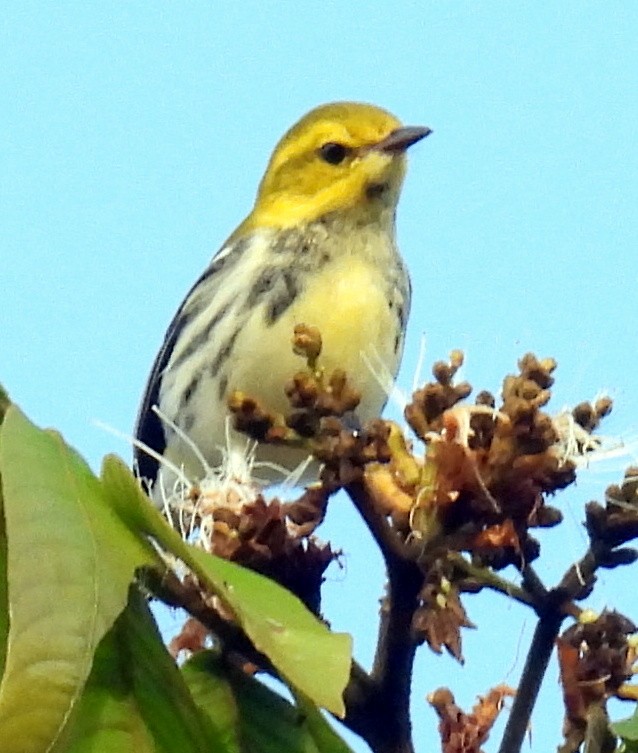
(318, 249)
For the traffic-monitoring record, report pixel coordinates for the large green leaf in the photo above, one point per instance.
(257, 718)
(70, 562)
(5, 402)
(4, 603)
(136, 699)
(309, 656)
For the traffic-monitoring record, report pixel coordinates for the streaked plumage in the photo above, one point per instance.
(318, 248)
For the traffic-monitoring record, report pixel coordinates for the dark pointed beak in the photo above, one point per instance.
(402, 138)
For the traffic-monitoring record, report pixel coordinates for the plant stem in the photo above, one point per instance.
(381, 714)
(535, 667)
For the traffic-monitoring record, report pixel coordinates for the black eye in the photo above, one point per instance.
(333, 153)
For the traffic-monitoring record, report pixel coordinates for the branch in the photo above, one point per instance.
(381, 712)
(391, 543)
(535, 667)
(607, 531)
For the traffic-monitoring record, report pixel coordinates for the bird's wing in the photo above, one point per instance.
(148, 427)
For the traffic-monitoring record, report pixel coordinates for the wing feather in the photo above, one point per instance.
(148, 426)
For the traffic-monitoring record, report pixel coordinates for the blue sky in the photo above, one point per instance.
(132, 139)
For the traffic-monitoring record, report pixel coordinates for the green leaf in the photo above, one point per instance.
(309, 656)
(325, 737)
(259, 718)
(4, 602)
(213, 694)
(69, 565)
(136, 698)
(5, 402)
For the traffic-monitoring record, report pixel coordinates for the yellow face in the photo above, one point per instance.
(337, 157)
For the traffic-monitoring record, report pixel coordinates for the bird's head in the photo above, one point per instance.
(338, 157)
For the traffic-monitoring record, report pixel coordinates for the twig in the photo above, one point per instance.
(535, 667)
(491, 580)
(552, 606)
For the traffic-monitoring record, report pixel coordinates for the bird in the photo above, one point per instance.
(318, 248)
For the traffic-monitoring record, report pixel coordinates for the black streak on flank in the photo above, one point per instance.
(222, 386)
(190, 389)
(195, 343)
(401, 315)
(261, 287)
(285, 295)
(222, 354)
